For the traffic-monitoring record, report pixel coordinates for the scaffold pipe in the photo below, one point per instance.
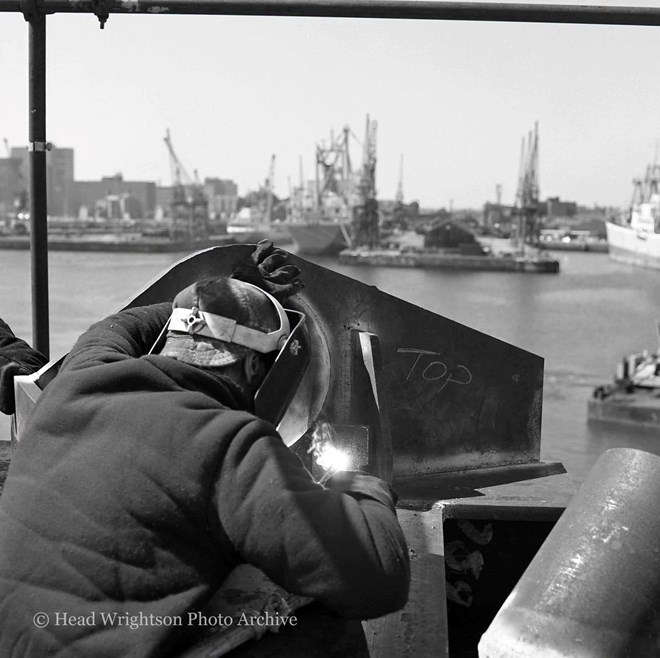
(38, 186)
(402, 9)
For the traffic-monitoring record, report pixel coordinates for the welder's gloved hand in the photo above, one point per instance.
(359, 484)
(16, 358)
(266, 268)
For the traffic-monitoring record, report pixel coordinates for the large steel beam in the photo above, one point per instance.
(457, 398)
(414, 9)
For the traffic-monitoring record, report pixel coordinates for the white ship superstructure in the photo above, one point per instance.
(636, 238)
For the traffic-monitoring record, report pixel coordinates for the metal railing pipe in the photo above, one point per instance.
(413, 9)
(38, 185)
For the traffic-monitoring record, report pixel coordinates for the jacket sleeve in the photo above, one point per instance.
(342, 545)
(128, 334)
(16, 358)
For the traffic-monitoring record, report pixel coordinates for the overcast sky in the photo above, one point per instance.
(454, 98)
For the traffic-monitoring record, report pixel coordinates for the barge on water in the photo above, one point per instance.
(590, 246)
(451, 260)
(448, 244)
(572, 240)
(634, 396)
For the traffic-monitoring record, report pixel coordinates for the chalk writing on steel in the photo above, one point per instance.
(432, 370)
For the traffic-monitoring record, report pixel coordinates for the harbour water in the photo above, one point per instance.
(581, 321)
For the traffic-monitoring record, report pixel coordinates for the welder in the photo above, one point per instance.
(151, 467)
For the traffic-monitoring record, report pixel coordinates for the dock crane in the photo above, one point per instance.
(365, 211)
(269, 190)
(399, 215)
(189, 206)
(334, 174)
(399, 190)
(644, 189)
(527, 194)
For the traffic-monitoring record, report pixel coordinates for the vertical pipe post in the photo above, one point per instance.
(38, 183)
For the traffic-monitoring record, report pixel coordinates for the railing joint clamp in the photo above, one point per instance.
(30, 11)
(101, 10)
(40, 146)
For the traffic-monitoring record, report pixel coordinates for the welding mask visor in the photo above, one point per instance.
(281, 383)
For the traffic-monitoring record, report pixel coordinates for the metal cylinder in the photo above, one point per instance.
(593, 589)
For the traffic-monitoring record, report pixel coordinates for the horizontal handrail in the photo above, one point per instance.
(402, 9)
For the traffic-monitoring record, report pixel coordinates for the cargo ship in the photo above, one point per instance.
(246, 228)
(321, 212)
(323, 238)
(635, 237)
(255, 221)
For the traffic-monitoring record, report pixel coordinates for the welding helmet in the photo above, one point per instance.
(216, 322)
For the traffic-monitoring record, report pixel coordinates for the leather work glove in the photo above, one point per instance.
(16, 358)
(266, 268)
(359, 484)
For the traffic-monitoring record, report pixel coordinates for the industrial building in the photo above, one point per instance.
(13, 192)
(112, 197)
(59, 173)
(222, 196)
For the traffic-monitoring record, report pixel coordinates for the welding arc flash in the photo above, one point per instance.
(333, 460)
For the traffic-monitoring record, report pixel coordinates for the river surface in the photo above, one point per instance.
(581, 321)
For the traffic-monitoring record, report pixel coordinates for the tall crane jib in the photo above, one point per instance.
(334, 178)
(365, 210)
(189, 208)
(527, 195)
(268, 214)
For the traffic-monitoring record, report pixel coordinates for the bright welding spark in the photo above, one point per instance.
(332, 459)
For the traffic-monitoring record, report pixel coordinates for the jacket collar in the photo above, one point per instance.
(215, 385)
